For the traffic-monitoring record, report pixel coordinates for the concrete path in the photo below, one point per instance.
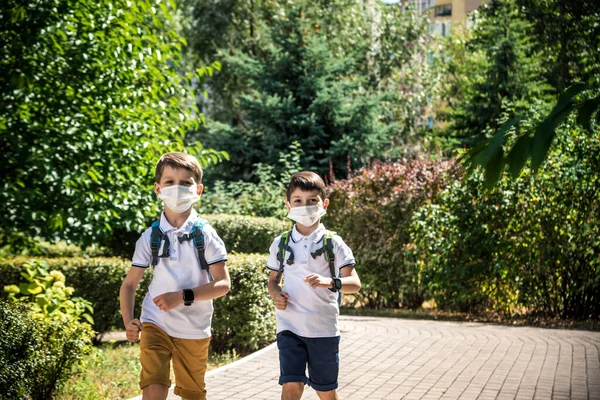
(384, 358)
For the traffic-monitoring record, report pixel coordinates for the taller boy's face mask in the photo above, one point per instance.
(179, 198)
(306, 215)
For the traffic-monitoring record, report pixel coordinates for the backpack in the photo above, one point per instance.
(327, 249)
(197, 235)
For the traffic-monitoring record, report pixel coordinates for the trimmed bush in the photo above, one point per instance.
(244, 319)
(37, 355)
(244, 234)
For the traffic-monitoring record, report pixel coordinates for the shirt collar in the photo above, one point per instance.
(316, 236)
(187, 226)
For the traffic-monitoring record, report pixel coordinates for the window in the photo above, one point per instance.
(445, 10)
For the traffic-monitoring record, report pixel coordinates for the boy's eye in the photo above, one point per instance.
(168, 183)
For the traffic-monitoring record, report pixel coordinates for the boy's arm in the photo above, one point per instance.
(350, 280)
(133, 326)
(218, 287)
(279, 296)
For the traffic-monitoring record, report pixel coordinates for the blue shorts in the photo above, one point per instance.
(321, 355)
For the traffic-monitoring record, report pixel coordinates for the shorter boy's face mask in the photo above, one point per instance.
(306, 215)
(179, 198)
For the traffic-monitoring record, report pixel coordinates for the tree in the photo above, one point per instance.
(294, 72)
(90, 94)
(500, 76)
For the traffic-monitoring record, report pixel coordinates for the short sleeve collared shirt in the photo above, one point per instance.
(310, 312)
(175, 272)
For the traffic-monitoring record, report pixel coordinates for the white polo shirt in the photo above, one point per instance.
(310, 312)
(181, 270)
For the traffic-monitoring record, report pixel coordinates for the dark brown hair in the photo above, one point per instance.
(178, 161)
(306, 181)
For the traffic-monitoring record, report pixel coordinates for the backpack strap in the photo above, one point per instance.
(197, 236)
(327, 249)
(282, 248)
(156, 237)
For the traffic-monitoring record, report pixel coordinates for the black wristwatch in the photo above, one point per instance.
(188, 297)
(337, 284)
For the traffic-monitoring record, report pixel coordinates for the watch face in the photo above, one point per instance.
(188, 295)
(337, 283)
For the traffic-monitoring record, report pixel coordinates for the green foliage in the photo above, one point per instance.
(532, 138)
(244, 319)
(48, 294)
(494, 72)
(529, 244)
(22, 245)
(38, 355)
(97, 279)
(372, 212)
(292, 71)
(244, 234)
(264, 198)
(91, 93)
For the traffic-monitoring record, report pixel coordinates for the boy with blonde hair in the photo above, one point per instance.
(188, 260)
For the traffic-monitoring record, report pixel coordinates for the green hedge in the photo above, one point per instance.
(244, 319)
(245, 234)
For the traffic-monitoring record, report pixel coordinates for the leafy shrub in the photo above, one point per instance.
(96, 279)
(246, 234)
(372, 212)
(22, 245)
(48, 294)
(531, 243)
(244, 319)
(263, 198)
(41, 344)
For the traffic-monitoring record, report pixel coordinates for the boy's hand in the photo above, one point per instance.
(168, 301)
(133, 329)
(281, 300)
(318, 281)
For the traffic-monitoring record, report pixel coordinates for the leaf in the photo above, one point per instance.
(494, 168)
(517, 157)
(496, 143)
(544, 135)
(584, 115)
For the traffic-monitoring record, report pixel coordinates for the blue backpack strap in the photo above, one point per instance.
(198, 237)
(156, 237)
(281, 249)
(327, 249)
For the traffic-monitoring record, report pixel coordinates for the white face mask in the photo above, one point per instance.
(306, 215)
(179, 198)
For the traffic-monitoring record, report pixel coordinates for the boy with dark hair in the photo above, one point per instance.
(188, 260)
(310, 259)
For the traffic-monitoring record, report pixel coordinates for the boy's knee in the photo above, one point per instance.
(155, 391)
(293, 388)
(329, 395)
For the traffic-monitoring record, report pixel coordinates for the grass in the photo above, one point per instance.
(112, 371)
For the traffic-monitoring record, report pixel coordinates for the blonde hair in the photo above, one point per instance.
(178, 161)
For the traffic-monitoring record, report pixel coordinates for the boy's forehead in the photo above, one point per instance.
(305, 193)
(176, 173)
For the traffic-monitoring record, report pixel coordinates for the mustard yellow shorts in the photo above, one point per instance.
(189, 362)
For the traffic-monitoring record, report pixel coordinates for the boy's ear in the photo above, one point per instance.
(325, 203)
(288, 205)
(200, 189)
(156, 188)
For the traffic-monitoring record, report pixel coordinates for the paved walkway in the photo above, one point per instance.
(384, 358)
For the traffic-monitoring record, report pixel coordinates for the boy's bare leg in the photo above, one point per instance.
(156, 391)
(292, 391)
(329, 395)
